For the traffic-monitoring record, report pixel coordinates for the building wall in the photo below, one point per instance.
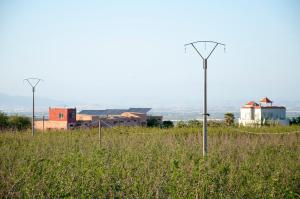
(122, 121)
(245, 114)
(275, 114)
(62, 114)
(48, 125)
(83, 117)
(262, 115)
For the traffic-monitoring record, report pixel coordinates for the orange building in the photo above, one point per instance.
(59, 118)
(62, 114)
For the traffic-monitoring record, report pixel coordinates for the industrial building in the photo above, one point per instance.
(67, 118)
(263, 113)
(116, 117)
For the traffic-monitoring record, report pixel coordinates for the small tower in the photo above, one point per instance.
(266, 101)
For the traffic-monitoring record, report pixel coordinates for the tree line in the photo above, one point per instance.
(295, 120)
(228, 121)
(14, 122)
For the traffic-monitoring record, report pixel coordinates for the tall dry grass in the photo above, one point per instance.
(151, 163)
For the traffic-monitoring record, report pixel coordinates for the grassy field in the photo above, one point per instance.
(151, 163)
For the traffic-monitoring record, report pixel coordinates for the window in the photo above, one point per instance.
(60, 115)
(71, 115)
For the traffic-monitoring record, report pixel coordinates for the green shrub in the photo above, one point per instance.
(153, 122)
(194, 123)
(3, 121)
(181, 124)
(19, 123)
(229, 119)
(167, 124)
(295, 120)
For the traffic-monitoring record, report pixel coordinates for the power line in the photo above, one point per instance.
(205, 114)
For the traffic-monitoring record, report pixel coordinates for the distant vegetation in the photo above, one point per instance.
(153, 122)
(295, 121)
(229, 119)
(14, 122)
(198, 124)
(151, 163)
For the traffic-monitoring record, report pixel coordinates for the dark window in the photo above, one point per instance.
(71, 115)
(60, 115)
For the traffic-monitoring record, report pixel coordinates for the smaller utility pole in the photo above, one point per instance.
(43, 124)
(33, 82)
(99, 131)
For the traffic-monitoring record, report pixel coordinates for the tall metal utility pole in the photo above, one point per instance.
(205, 114)
(33, 82)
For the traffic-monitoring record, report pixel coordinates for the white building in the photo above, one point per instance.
(253, 113)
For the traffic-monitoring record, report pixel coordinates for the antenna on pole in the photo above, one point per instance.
(33, 82)
(205, 114)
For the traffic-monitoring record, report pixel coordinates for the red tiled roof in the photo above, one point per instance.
(266, 100)
(265, 107)
(252, 103)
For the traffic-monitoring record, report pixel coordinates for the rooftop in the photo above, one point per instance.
(114, 111)
(265, 100)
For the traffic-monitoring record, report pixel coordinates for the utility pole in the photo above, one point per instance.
(43, 124)
(33, 82)
(205, 114)
(99, 131)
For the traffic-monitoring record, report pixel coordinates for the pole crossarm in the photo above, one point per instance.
(215, 46)
(31, 80)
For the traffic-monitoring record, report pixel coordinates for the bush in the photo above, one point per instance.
(19, 123)
(229, 119)
(194, 123)
(153, 122)
(295, 120)
(167, 124)
(181, 124)
(3, 121)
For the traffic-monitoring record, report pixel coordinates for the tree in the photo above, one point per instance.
(3, 121)
(229, 119)
(153, 122)
(194, 123)
(298, 120)
(17, 122)
(295, 120)
(167, 124)
(181, 124)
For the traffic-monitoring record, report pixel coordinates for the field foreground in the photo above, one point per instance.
(151, 163)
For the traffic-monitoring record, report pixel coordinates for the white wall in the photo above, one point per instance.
(250, 116)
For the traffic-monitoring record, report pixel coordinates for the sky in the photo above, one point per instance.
(131, 53)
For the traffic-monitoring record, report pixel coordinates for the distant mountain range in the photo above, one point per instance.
(23, 105)
(14, 103)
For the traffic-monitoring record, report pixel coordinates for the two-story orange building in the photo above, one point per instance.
(59, 118)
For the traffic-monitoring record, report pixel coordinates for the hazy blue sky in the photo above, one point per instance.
(130, 53)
